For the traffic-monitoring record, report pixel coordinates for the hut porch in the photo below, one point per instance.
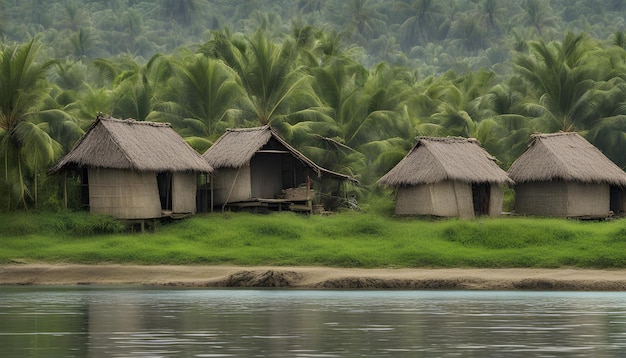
(298, 199)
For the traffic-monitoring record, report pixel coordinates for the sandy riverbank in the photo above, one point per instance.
(315, 277)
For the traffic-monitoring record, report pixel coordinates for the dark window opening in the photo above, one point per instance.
(616, 199)
(480, 196)
(203, 194)
(84, 189)
(164, 181)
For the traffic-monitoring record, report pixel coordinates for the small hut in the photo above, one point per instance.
(564, 175)
(134, 170)
(255, 167)
(447, 177)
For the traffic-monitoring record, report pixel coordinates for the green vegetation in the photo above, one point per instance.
(349, 83)
(347, 239)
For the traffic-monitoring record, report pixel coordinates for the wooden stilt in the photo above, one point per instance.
(65, 189)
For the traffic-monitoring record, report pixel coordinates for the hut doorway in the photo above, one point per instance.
(164, 181)
(204, 203)
(616, 199)
(480, 196)
(84, 189)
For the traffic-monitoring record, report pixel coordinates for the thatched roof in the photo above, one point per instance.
(133, 145)
(434, 160)
(236, 147)
(565, 156)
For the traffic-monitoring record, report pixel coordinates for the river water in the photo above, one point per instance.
(86, 321)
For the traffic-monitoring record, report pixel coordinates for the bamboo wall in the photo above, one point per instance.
(414, 200)
(541, 198)
(184, 192)
(464, 200)
(562, 199)
(439, 199)
(588, 199)
(124, 194)
(447, 199)
(496, 199)
(223, 180)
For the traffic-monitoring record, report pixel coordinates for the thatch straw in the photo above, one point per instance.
(236, 147)
(434, 160)
(565, 156)
(133, 145)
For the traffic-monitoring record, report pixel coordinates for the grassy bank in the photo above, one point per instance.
(342, 240)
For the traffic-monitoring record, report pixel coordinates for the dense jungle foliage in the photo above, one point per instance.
(350, 83)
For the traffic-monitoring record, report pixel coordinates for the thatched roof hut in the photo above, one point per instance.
(237, 147)
(447, 177)
(135, 170)
(562, 174)
(132, 145)
(256, 163)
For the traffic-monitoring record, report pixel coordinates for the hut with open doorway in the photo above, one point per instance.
(257, 169)
(134, 170)
(563, 175)
(447, 177)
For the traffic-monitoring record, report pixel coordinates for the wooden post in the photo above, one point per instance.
(309, 200)
(65, 189)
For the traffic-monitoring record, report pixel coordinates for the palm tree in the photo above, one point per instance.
(608, 131)
(133, 23)
(75, 16)
(70, 75)
(538, 14)
(201, 96)
(58, 123)
(577, 85)
(424, 22)
(277, 90)
(366, 19)
(367, 125)
(607, 127)
(458, 108)
(82, 42)
(135, 89)
(492, 12)
(562, 77)
(25, 146)
(307, 44)
(619, 39)
(269, 23)
(91, 101)
(471, 31)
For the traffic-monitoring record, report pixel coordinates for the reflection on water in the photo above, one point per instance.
(142, 322)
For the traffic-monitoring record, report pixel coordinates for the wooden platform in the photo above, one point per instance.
(260, 204)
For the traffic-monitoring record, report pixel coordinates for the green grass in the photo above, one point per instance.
(366, 239)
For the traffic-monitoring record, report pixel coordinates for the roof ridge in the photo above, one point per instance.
(556, 134)
(448, 138)
(136, 122)
(250, 129)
